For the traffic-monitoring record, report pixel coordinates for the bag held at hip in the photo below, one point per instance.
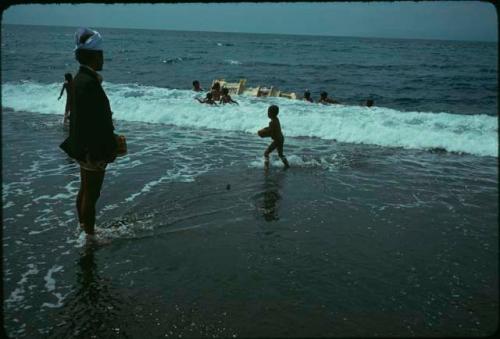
(121, 150)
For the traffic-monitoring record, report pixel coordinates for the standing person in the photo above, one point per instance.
(66, 87)
(274, 131)
(197, 86)
(91, 140)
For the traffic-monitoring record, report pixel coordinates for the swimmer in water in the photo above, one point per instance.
(307, 96)
(196, 86)
(325, 100)
(208, 100)
(216, 92)
(226, 98)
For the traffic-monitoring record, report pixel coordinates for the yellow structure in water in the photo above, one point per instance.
(259, 91)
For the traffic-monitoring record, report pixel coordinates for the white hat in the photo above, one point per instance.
(88, 39)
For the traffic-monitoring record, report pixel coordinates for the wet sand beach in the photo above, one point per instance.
(338, 245)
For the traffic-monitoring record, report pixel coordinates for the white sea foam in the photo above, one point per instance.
(42, 231)
(58, 304)
(184, 174)
(16, 188)
(473, 134)
(50, 283)
(59, 196)
(17, 296)
(110, 207)
(233, 62)
(81, 240)
(329, 163)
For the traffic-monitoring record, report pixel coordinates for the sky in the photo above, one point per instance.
(456, 20)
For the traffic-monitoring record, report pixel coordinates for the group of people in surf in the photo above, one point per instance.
(325, 100)
(216, 94)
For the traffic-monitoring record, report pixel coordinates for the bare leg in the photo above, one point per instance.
(79, 197)
(92, 191)
(282, 156)
(268, 151)
(285, 161)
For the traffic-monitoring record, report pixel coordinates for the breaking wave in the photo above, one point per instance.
(473, 134)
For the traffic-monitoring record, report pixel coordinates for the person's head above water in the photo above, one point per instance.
(225, 91)
(68, 77)
(216, 86)
(209, 95)
(88, 49)
(273, 111)
(196, 84)
(369, 103)
(323, 95)
(307, 94)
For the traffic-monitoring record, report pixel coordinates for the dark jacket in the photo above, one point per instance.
(90, 122)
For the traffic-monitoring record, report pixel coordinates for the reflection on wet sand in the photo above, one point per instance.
(269, 206)
(94, 309)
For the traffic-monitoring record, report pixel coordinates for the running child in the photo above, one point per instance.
(274, 131)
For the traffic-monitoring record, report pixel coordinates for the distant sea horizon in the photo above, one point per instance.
(261, 33)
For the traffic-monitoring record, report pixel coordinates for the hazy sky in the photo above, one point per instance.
(460, 20)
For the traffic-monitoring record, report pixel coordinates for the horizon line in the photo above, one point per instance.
(263, 33)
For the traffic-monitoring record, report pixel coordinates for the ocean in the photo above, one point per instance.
(386, 224)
